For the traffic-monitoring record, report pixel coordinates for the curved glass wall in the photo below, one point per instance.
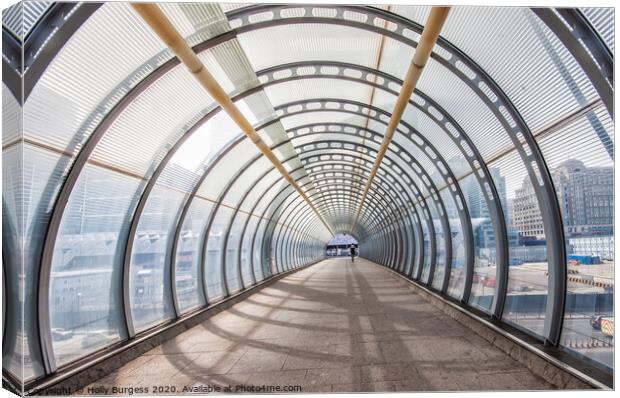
(137, 200)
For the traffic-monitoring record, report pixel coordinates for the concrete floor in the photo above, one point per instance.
(335, 326)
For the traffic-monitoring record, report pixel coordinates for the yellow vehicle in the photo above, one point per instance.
(607, 326)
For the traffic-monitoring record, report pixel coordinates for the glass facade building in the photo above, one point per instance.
(130, 199)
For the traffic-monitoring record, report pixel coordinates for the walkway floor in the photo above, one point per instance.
(335, 326)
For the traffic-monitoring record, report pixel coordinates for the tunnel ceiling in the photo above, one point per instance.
(120, 144)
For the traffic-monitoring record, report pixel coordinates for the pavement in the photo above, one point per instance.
(335, 326)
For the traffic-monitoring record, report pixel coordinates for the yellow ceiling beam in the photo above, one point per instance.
(161, 25)
(428, 39)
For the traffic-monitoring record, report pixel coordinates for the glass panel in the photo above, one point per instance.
(329, 135)
(414, 245)
(276, 247)
(405, 250)
(498, 39)
(149, 279)
(61, 116)
(75, 112)
(196, 22)
(188, 269)
(476, 119)
(527, 278)
(25, 171)
(221, 174)
(293, 201)
(583, 174)
(232, 253)
(233, 279)
(283, 44)
(258, 190)
(484, 129)
(396, 247)
(485, 260)
(287, 261)
(295, 121)
(109, 72)
(427, 245)
(269, 199)
(261, 267)
(458, 246)
(299, 252)
(213, 265)
(246, 180)
(20, 18)
(86, 279)
(247, 252)
(226, 7)
(283, 248)
(11, 118)
(275, 213)
(440, 246)
(316, 88)
(290, 260)
(22, 168)
(59, 95)
(190, 161)
(156, 118)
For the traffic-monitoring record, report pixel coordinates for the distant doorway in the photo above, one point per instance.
(340, 246)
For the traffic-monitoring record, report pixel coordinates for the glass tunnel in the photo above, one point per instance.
(131, 197)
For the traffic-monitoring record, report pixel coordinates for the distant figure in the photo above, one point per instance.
(352, 250)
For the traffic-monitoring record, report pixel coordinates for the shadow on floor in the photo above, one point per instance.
(336, 326)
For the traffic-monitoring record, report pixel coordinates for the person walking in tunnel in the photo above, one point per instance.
(352, 250)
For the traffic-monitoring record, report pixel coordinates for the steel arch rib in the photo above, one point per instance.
(317, 133)
(242, 235)
(241, 200)
(283, 200)
(230, 225)
(366, 169)
(415, 211)
(456, 193)
(135, 220)
(390, 217)
(268, 77)
(416, 189)
(372, 210)
(217, 206)
(430, 223)
(585, 44)
(261, 218)
(350, 179)
(268, 237)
